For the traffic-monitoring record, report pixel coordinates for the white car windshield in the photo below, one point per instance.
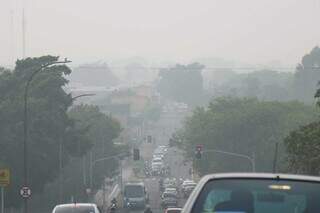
(258, 196)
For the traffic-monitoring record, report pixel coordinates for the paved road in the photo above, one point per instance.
(168, 123)
(161, 131)
(174, 159)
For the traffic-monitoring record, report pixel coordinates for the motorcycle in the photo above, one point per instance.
(113, 208)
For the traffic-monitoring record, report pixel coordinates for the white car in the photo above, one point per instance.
(171, 191)
(158, 156)
(157, 168)
(76, 208)
(163, 148)
(255, 193)
(157, 160)
(187, 183)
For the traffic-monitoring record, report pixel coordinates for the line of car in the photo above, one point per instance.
(238, 192)
(172, 190)
(158, 166)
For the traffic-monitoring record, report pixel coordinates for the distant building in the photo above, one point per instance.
(136, 102)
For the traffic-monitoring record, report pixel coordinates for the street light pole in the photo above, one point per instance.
(25, 126)
(61, 151)
(93, 163)
(251, 159)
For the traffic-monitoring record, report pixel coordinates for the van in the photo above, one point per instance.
(135, 195)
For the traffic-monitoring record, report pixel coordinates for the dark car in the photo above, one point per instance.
(255, 193)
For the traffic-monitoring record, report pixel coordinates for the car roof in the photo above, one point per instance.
(188, 182)
(260, 176)
(170, 189)
(156, 159)
(134, 184)
(76, 204)
(157, 163)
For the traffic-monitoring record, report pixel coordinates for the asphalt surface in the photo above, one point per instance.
(168, 123)
(161, 132)
(179, 169)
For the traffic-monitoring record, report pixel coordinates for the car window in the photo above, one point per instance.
(173, 211)
(258, 196)
(134, 191)
(169, 195)
(75, 209)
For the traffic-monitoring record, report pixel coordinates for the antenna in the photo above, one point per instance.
(12, 36)
(23, 33)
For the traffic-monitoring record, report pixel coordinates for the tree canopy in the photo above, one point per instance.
(50, 123)
(303, 147)
(182, 83)
(244, 126)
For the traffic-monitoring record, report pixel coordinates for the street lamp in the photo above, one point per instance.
(25, 124)
(60, 150)
(82, 95)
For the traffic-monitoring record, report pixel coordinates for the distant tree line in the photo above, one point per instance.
(244, 126)
(270, 85)
(182, 83)
(254, 114)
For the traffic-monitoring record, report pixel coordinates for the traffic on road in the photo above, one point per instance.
(159, 106)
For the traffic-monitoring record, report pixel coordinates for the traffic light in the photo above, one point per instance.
(198, 151)
(136, 154)
(149, 139)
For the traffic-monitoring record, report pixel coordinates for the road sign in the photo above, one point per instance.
(4, 177)
(25, 192)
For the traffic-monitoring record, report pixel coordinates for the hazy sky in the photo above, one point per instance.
(252, 31)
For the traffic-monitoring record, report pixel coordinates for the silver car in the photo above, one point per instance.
(255, 193)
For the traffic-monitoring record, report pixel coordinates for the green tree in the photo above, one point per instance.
(303, 146)
(182, 83)
(307, 76)
(152, 112)
(245, 126)
(48, 123)
(101, 131)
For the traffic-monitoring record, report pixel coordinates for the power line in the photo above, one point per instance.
(205, 68)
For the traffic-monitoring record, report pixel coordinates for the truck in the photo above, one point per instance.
(135, 195)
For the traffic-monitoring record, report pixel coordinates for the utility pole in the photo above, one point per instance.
(275, 159)
(60, 170)
(104, 194)
(25, 127)
(2, 199)
(23, 33)
(104, 170)
(61, 153)
(12, 37)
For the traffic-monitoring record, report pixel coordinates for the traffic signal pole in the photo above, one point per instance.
(250, 159)
(2, 199)
(93, 163)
